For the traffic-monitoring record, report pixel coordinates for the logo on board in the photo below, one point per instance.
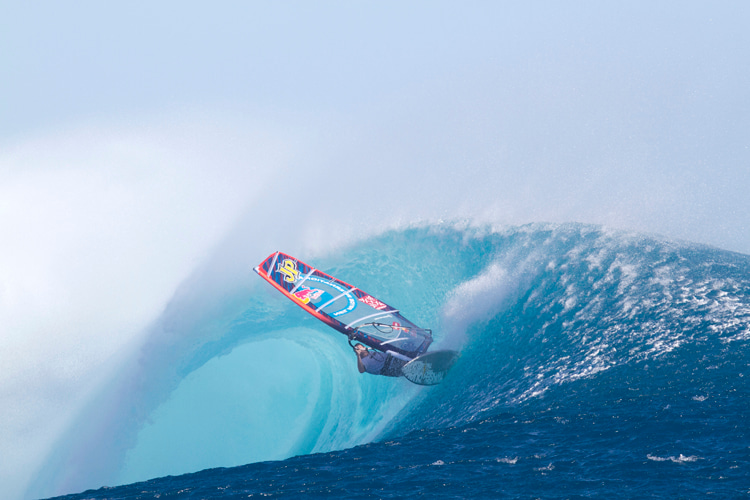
(289, 269)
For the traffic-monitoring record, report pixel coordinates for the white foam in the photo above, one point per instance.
(678, 459)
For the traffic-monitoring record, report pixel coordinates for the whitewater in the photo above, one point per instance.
(594, 363)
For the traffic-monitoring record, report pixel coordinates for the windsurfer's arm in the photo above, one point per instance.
(360, 366)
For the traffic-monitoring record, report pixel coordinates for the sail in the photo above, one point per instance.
(356, 314)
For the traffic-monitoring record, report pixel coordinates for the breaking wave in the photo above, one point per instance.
(543, 314)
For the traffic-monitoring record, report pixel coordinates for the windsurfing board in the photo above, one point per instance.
(430, 368)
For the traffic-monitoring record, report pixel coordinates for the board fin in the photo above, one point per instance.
(430, 368)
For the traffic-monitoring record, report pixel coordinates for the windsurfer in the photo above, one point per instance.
(379, 363)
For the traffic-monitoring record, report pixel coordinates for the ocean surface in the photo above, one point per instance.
(594, 364)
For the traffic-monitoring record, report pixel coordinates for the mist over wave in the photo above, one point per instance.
(233, 373)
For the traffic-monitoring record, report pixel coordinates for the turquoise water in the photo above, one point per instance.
(593, 363)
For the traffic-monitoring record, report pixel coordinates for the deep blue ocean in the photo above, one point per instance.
(594, 364)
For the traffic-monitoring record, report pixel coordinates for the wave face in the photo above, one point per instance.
(592, 361)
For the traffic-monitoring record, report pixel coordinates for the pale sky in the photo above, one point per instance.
(638, 110)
